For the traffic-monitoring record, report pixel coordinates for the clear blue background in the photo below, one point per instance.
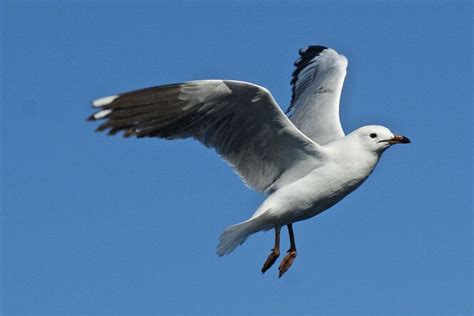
(94, 224)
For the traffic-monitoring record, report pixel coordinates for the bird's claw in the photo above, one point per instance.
(286, 262)
(270, 260)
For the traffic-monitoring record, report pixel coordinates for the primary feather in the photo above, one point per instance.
(317, 84)
(240, 120)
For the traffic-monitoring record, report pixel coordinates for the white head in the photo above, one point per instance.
(376, 138)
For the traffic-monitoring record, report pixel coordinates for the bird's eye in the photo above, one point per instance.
(373, 135)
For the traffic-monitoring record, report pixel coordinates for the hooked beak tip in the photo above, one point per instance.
(398, 139)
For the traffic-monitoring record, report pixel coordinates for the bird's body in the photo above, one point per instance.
(340, 168)
(303, 163)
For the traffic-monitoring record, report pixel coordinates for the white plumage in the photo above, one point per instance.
(304, 163)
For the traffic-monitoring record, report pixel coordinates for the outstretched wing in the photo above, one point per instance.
(316, 84)
(241, 121)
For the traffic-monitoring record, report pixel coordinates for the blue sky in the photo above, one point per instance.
(103, 225)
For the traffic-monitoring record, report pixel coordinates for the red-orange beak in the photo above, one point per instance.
(397, 139)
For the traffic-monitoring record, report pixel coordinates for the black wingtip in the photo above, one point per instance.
(312, 50)
(307, 54)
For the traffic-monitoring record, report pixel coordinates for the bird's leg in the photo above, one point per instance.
(290, 257)
(275, 251)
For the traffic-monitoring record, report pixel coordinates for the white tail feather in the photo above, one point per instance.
(231, 237)
(235, 235)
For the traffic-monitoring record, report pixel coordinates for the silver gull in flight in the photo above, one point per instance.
(304, 162)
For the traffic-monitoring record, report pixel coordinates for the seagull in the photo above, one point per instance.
(301, 160)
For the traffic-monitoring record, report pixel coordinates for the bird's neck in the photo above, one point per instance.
(354, 159)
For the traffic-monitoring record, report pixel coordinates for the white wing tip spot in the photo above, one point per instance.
(102, 114)
(104, 101)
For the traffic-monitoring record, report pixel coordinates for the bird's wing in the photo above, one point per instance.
(241, 121)
(316, 85)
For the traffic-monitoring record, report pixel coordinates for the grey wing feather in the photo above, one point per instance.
(316, 85)
(241, 121)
